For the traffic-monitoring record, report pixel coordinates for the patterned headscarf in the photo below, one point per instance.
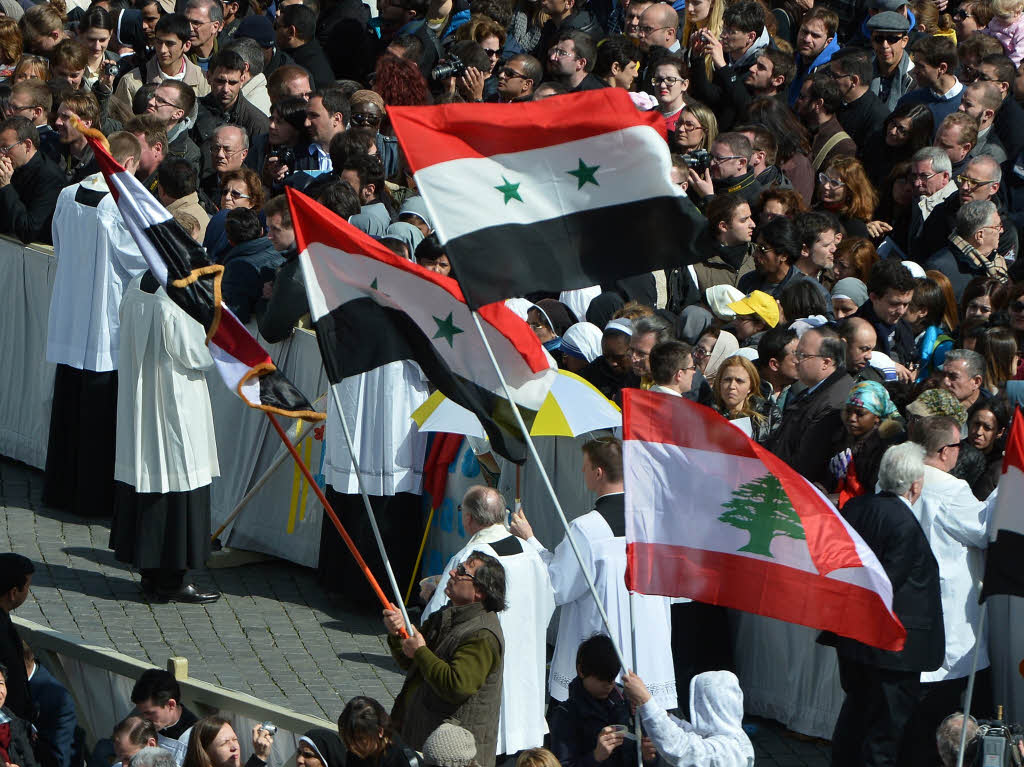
(372, 97)
(873, 397)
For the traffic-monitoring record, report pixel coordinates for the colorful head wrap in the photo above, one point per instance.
(873, 397)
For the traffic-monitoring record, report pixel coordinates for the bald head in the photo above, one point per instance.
(663, 22)
(860, 337)
(482, 507)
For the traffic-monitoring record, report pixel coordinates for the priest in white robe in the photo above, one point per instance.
(391, 452)
(600, 536)
(96, 259)
(524, 621)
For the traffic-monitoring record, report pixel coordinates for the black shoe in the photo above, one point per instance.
(190, 594)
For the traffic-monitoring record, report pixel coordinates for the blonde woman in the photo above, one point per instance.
(696, 129)
(737, 391)
(703, 23)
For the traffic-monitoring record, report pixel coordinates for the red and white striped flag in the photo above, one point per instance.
(181, 266)
(713, 516)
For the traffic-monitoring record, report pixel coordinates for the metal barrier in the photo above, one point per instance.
(101, 680)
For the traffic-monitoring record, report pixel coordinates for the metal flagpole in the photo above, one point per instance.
(636, 715)
(551, 490)
(369, 511)
(970, 687)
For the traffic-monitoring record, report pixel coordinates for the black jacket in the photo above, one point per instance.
(20, 748)
(1009, 127)
(863, 117)
(19, 698)
(604, 379)
(312, 57)
(247, 266)
(288, 303)
(889, 527)
(576, 723)
(942, 223)
(211, 116)
(810, 423)
(582, 20)
(28, 202)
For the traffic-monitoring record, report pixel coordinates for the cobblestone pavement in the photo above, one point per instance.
(274, 633)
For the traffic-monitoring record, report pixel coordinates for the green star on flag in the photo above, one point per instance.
(447, 329)
(584, 174)
(374, 284)
(510, 190)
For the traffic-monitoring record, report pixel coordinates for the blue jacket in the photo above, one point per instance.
(247, 266)
(57, 719)
(939, 107)
(823, 58)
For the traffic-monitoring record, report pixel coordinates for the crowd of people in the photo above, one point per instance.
(856, 306)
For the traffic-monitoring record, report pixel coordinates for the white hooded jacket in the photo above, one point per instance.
(715, 738)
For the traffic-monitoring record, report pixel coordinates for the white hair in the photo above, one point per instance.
(939, 159)
(902, 465)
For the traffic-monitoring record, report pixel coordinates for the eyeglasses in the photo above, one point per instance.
(833, 75)
(920, 176)
(971, 183)
(997, 227)
(13, 108)
(960, 14)
(891, 39)
(971, 75)
(719, 160)
(363, 118)
(644, 31)
(510, 74)
(690, 127)
(763, 250)
(950, 446)
(801, 356)
(492, 54)
(561, 53)
(6, 150)
(460, 572)
(216, 149)
(825, 180)
(196, 24)
(699, 352)
(234, 194)
(154, 99)
(1017, 306)
(669, 81)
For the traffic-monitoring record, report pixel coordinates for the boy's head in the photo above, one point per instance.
(597, 663)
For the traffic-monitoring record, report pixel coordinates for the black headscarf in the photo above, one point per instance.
(603, 307)
(328, 746)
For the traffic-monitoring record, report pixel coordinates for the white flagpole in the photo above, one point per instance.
(369, 511)
(551, 490)
(636, 716)
(970, 686)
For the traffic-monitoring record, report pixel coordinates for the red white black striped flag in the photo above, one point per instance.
(1003, 573)
(549, 195)
(181, 266)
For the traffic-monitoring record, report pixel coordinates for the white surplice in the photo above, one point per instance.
(96, 259)
(580, 619)
(531, 602)
(391, 449)
(165, 439)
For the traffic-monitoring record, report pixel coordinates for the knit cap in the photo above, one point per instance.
(449, 746)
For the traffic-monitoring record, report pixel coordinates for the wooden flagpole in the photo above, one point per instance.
(334, 517)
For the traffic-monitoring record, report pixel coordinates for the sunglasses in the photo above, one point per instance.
(891, 39)
(363, 118)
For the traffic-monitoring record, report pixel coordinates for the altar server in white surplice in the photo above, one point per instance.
(524, 622)
(600, 536)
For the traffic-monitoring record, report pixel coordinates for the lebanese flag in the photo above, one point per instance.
(549, 195)
(1003, 573)
(713, 516)
(181, 266)
(371, 307)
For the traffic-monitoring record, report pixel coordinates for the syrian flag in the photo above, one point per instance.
(371, 307)
(713, 516)
(181, 266)
(1003, 573)
(549, 195)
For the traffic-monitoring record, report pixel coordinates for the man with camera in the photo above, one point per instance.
(730, 170)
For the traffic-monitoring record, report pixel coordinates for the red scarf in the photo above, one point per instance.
(5, 741)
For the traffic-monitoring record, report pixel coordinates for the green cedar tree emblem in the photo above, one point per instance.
(762, 508)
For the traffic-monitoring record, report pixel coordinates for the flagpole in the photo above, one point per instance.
(636, 715)
(369, 511)
(419, 555)
(551, 490)
(330, 512)
(970, 686)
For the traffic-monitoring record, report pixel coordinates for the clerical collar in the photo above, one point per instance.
(612, 508)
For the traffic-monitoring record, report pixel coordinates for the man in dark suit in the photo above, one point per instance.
(15, 579)
(812, 417)
(882, 685)
(57, 720)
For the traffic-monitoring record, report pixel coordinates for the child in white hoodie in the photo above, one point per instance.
(715, 738)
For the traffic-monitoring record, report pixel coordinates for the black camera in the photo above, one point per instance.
(699, 160)
(452, 66)
(111, 68)
(285, 155)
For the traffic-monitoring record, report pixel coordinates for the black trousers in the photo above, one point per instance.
(79, 473)
(872, 722)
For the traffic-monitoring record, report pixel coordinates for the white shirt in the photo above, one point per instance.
(165, 438)
(531, 602)
(96, 259)
(956, 526)
(605, 556)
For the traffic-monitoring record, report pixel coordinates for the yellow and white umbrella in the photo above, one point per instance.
(573, 407)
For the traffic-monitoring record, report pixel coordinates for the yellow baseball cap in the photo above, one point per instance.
(759, 303)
